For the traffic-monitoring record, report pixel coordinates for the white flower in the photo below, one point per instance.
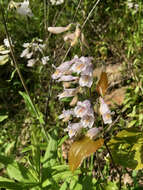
(45, 60)
(23, 9)
(25, 45)
(92, 133)
(105, 112)
(6, 42)
(56, 2)
(68, 92)
(86, 80)
(31, 62)
(66, 115)
(67, 78)
(83, 108)
(87, 121)
(74, 129)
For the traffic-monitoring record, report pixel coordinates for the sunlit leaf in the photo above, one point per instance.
(81, 149)
(3, 117)
(102, 84)
(127, 148)
(4, 59)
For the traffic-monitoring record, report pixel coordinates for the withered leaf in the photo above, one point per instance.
(81, 149)
(102, 84)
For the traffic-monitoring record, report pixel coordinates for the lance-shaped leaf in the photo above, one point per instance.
(102, 84)
(81, 149)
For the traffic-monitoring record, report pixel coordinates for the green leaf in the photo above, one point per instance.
(50, 156)
(64, 186)
(132, 123)
(16, 170)
(17, 185)
(3, 117)
(127, 148)
(29, 104)
(19, 172)
(4, 59)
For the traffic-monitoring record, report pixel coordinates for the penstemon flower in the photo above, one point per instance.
(105, 112)
(68, 93)
(66, 114)
(74, 129)
(83, 108)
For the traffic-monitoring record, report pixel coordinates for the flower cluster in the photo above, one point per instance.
(22, 8)
(82, 67)
(34, 49)
(78, 71)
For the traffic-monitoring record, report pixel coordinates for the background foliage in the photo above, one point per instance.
(32, 137)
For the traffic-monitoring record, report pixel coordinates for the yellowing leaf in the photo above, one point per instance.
(4, 59)
(127, 148)
(81, 149)
(102, 84)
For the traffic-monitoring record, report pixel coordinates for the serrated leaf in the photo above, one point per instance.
(127, 148)
(102, 84)
(4, 59)
(81, 149)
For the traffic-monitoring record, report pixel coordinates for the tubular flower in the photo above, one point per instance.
(86, 80)
(93, 133)
(105, 112)
(66, 115)
(83, 108)
(67, 78)
(74, 129)
(68, 93)
(87, 121)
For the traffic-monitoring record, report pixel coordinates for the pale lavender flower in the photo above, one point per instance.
(86, 80)
(105, 112)
(62, 69)
(68, 93)
(83, 108)
(80, 64)
(87, 121)
(67, 78)
(92, 133)
(74, 129)
(88, 70)
(66, 115)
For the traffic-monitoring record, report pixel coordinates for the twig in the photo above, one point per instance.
(119, 172)
(90, 14)
(17, 67)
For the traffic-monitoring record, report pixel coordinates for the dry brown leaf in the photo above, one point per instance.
(81, 149)
(102, 84)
